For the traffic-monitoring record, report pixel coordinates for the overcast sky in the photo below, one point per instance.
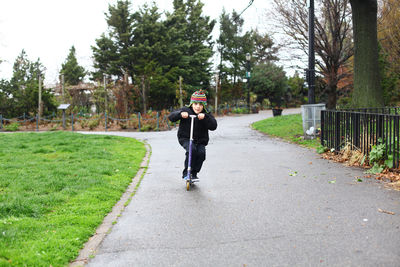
(47, 29)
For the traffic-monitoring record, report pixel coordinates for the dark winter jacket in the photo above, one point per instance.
(200, 128)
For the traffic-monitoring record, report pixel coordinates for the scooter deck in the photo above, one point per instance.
(192, 180)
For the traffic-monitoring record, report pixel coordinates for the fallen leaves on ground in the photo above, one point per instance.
(392, 176)
(387, 212)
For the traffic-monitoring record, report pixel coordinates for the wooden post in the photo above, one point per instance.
(63, 118)
(105, 93)
(144, 95)
(158, 122)
(180, 92)
(216, 93)
(105, 121)
(40, 97)
(139, 121)
(63, 87)
(126, 90)
(72, 121)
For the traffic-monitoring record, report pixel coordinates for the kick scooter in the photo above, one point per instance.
(189, 180)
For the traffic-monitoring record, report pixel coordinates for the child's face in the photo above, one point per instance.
(197, 107)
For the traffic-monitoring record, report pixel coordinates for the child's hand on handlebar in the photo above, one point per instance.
(184, 114)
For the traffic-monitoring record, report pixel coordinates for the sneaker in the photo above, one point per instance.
(194, 177)
(185, 177)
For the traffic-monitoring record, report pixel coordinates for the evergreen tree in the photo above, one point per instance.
(297, 89)
(269, 81)
(23, 88)
(154, 52)
(111, 53)
(233, 46)
(192, 30)
(5, 98)
(264, 49)
(73, 73)
(120, 21)
(149, 50)
(230, 46)
(105, 55)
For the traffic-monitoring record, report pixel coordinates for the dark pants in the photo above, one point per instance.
(198, 157)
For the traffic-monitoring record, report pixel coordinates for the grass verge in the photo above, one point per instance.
(288, 127)
(55, 190)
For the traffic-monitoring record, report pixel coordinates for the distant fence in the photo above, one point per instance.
(154, 121)
(141, 122)
(362, 128)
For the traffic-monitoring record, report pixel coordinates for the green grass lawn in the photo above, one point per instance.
(55, 190)
(288, 127)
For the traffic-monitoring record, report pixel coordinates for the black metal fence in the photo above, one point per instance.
(362, 129)
(384, 110)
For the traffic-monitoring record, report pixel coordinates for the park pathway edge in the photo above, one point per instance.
(91, 246)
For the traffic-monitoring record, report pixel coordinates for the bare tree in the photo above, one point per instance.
(389, 31)
(389, 40)
(333, 37)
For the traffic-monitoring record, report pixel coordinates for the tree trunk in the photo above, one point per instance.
(144, 95)
(126, 89)
(332, 97)
(367, 88)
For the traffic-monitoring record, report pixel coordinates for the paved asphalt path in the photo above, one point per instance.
(248, 210)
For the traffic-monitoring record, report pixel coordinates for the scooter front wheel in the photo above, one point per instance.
(187, 185)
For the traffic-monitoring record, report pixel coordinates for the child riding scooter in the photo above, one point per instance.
(202, 123)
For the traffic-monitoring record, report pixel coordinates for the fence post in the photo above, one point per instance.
(72, 121)
(322, 127)
(105, 120)
(37, 122)
(396, 135)
(63, 119)
(139, 120)
(356, 122)
(1, 121)
(158, 122)
(337, 131)
(380, 126)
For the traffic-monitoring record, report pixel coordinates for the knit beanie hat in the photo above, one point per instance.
(198, 97)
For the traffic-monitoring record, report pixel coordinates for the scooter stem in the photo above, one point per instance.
(190, 144)
(191, 126)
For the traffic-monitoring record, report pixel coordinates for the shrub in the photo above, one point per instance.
(84, 123)
(93, 123)
(379, 159)
(240, 110)
(147, 127)
(13, 127)
(123, 125)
